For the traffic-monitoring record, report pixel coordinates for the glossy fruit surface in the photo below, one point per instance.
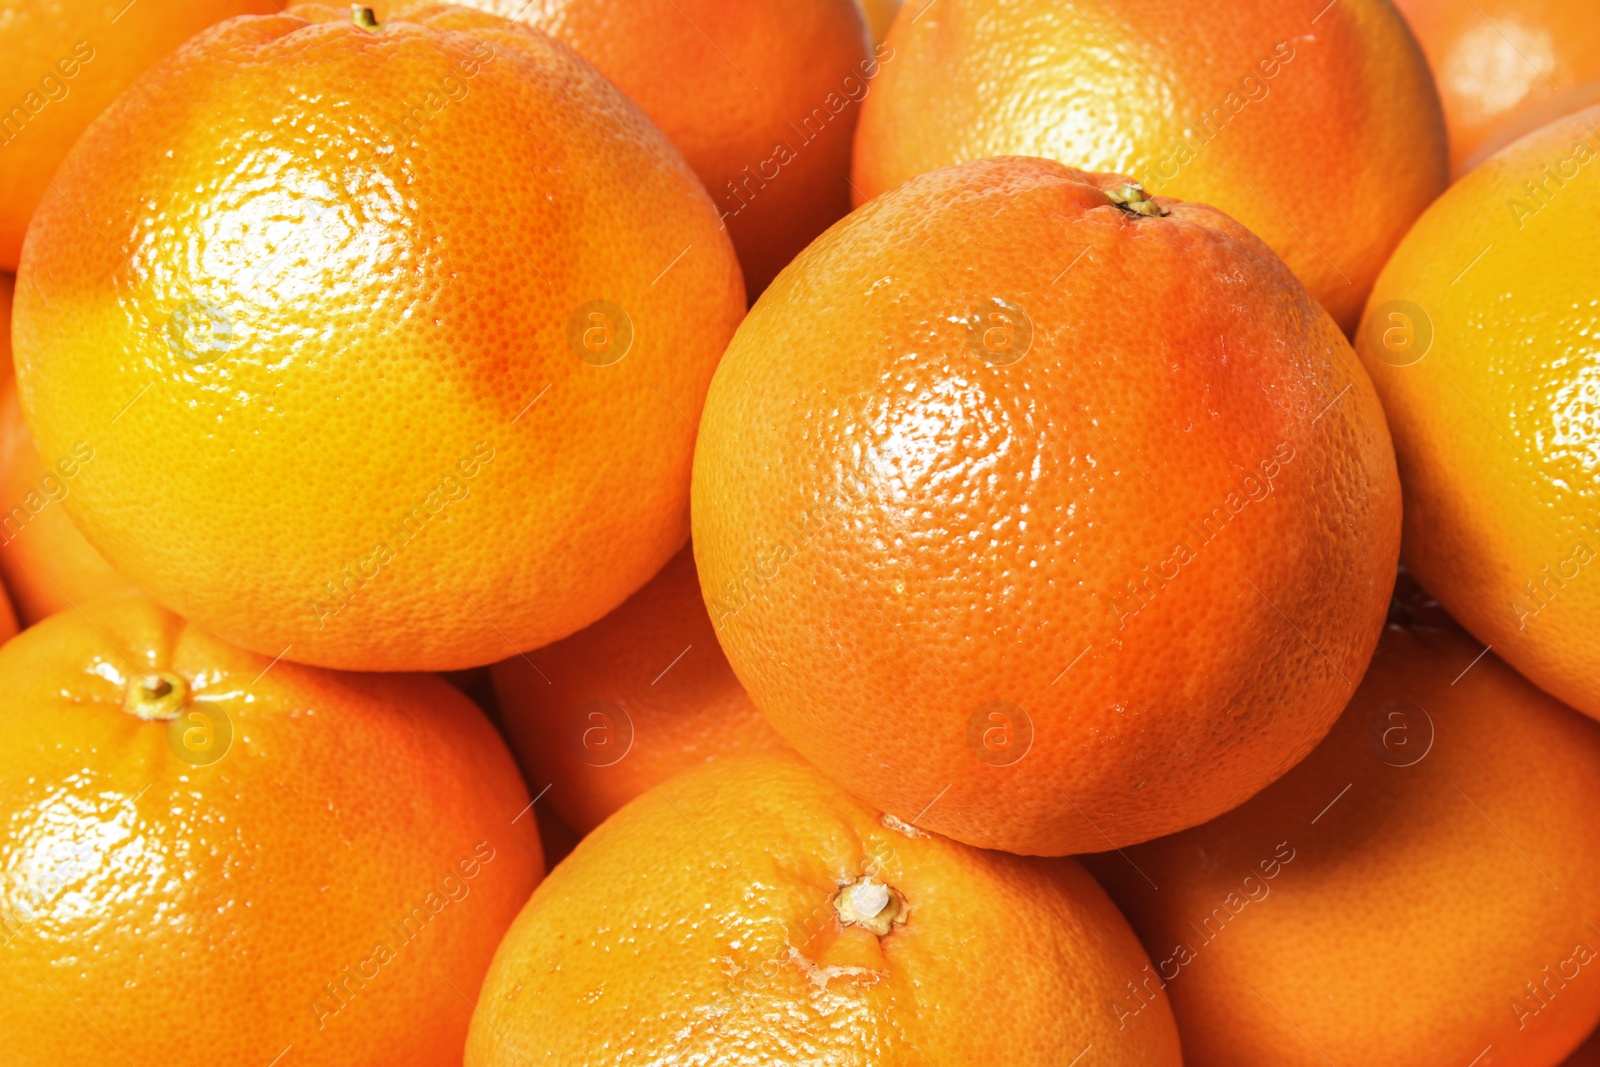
(1405, 896)
(429, 351)
(1315, 124)
(210, 858)
(749, 911)
(65, 61)
(1481, 338)
(1039, 520)
(761, 96)
(625, 704)
(1506, 67)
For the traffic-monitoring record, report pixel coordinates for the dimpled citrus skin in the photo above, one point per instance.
(360, 347)
(628, 702)
(892, 533)
(192, 911)
(697, 925)
(1433, 886)
(729, 83)
(65, 61)
(1496, 427)
(46, 563)
(1317, 125)
(1506, 67)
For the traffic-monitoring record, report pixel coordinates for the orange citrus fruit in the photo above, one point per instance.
(1315, 124)
(760, 96)
(748, 911)
(214, 858)
(1044, 514)
(628, 702)
(46, 563)
(1506, 67)
(1406, 896)
(65, 61)
(1480, 338)
(404, 380)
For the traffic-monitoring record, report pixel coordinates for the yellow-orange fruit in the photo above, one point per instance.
(46, 563)
(761, 96)
(211, 858)
(628, 702)
(1406, 896)
(1483, 339)
(1506, 67)
(399, 380)
(65, 60)
(1042, 514)
(1315, 124)
(750, 912)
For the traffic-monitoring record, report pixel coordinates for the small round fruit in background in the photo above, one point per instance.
(1315, 124)
(1506, 67)
(65, 62)
(1406, 896)
(45, 561)
(750, 911)
(1043, 514)
(1481, 340)
(404, 383)
(628, 702)
(761, 96)
(211, 857)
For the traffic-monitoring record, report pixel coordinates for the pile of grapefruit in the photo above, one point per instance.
(681, 532)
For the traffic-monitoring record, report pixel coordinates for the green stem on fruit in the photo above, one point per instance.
(364, 17)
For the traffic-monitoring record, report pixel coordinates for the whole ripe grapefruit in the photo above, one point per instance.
(45, 561)
(211, 858)
(1481, 340)
(748, 911)
(1405, 896)
(1043, 520)
(65, 61)
(761, 96)
(1315, 124)
(1506, 67)
(422, 312)
(628, 702)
